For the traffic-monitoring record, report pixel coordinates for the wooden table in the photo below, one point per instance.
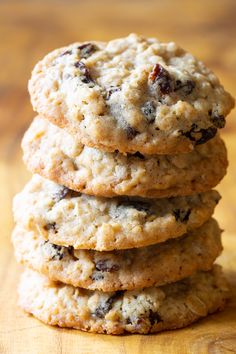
(28, 30)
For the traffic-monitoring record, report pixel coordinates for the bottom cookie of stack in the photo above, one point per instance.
(143, 311)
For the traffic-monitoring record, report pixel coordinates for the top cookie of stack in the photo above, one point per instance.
(132, 95)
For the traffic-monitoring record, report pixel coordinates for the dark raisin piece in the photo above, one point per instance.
(185, 87)
(128, 321)
(136, 154)
(67, 52)
(86, 50)
(104, 266)
(182, 215)
(218, 120)
(110, 91)
(140, 320)
(154, 317)
(149, 110)
(61, 194)
(205, 134)
(97, 276)
(162, 78)
(65, 192)
(59, 252)
(138, 205)
(50, 226)
(85, 77)
(70, 250)
(103, 309)
(140, 156)
(131, 132)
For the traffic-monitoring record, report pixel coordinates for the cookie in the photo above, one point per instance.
(54, 154)
(130, 94)
(143, 311)
(70, 218)
(120, 270)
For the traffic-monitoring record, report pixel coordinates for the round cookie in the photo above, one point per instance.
(143, 311)
(130, 94)
(69, 218)
(120, 270)
(54, 154)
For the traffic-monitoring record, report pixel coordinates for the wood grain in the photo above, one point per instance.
(28, 30)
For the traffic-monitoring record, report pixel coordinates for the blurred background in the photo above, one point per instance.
(31, 28)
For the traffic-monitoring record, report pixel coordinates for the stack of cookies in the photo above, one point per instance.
(115, 227)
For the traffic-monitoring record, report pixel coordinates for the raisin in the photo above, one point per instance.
(110, 91)
(218, 120)
(61, 194)
(65, 192)
(86, 50)
(103, 309)
(206, 134)
(138, 205)
(149, 110)
(128, 320)
(131, 132)
(182, 215)
(104, 266)
(67, 52)
(136, 154)
(185, 87)
(97, 276)
(154, 317)
(59, 252)
(140, 320)
(140, 156)
(70, 250)
(85, 77)
(50, 226)
(163, 79)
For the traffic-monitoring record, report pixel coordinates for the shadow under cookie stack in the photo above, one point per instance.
(115, 227)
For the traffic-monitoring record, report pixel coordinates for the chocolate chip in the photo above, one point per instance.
(205, 134)
(67, 52)
(218, 120)
(182, 215)
(105, 266)
(65, 192)
(149, 110)
(131, 132)
(110, 91)
(185, 87)
(86, 50)
(162, 78)
(85, 77)
(59, 252)
(154, 317)
(50, 226)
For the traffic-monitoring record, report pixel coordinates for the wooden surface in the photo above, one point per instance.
(28, 30)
